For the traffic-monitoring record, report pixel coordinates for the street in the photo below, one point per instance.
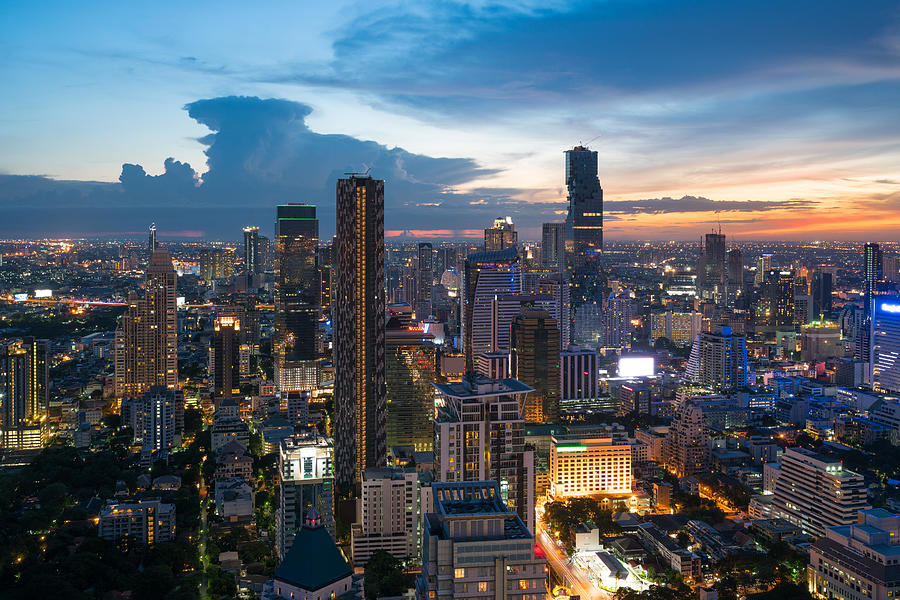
(571, 577)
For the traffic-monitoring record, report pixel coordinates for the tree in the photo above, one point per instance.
(383, 576)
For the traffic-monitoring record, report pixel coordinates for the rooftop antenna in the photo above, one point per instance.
(580, 143)
(357, 174)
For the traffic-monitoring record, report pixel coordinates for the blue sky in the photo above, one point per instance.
(777, 119)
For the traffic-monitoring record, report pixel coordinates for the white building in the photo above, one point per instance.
(580, 377)
(234, 498)
(815, 492)
(387, 515)
(305, 468)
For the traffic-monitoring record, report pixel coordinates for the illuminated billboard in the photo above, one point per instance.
(43, 293)
(636, 366)
(20, 297)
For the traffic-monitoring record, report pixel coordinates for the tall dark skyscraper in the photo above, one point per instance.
(534, 359)
(426, 281)
(147, 341)
(297, 297)
(151, 240)
(821, 293)
(584, 223)
(712, 263)
(359, 330)
(252, 262)
(225, 356)
(553, 246)
(873, 273)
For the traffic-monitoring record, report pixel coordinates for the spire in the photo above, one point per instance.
(313, 520)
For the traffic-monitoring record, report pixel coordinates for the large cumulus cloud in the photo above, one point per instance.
(260, 152)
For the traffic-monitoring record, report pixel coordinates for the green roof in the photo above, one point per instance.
(313, 561)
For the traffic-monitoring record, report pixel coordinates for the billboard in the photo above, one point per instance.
(43, 293)
(636, 366)
(20, 297)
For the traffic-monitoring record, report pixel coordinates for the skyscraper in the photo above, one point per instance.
(821, 293)
(216, 263)
(534, 359)
(487, 274)
(426, 281)
(712, 263)
(617, 315)
(410, 368)
(686, 448)
(584, 224)
(297, 297)
(719, 360)
(225, 357)
(873, 273)
(252, 262)
(885, 336)
(147, 340)
(24, 394)
(359, 330)
(151, 240)
(553, 246)
(558, 287)
(501, 235)
(479, 434)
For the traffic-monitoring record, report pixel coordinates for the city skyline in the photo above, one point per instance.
(778, 128)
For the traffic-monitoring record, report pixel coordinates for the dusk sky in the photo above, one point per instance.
(777, 119)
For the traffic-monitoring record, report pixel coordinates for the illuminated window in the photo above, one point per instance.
(523, 584)
(482, 586)
(459, 573)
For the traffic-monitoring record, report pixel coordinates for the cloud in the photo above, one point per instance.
(260, 152)
(692, 204)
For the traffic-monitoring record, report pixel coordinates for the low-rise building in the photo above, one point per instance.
(148, 521)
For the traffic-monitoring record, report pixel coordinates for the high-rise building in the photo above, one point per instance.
(156, 417)
(151, 240)
(553, 246)
(815, 492)
(305, 469)
(885, 336)
(296, 298)
(617, 316)
(780, 296)
(506, 307)
(426, 280)
(481, 544)
(588, 466)
(735, 275)
(821, 294)
(873, 273)
(534, 360)
(858, 560)
(680, 328)
(24, 394)
(359, 329)
(587, 323)
(387, 515)
(584, 225)
(580, 375)
(719, 360)
(487, 274)
(712, 262)
(216, 263)
(763, 266)
(147, 340)
(479, 434)
(410, 367)
(686, 449)
(252, 259)
(501, 235)
(225, 356)
(560, 309)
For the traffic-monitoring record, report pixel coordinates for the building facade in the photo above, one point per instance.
(359, 330)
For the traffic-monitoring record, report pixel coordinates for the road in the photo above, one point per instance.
(572, 578)
(204, 527)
